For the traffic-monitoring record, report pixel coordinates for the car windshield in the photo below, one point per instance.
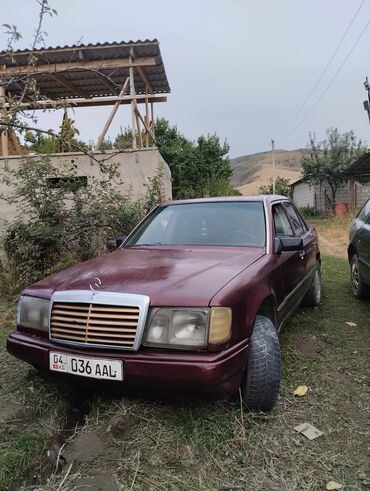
(236, 223)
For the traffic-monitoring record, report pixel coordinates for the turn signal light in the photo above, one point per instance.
(219, 325)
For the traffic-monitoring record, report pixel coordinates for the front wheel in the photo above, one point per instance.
(260, 386)
(359, 288)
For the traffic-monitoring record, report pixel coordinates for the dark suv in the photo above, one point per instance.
(359, 252)
(192, 301)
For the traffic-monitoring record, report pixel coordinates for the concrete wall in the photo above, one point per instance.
(303, 195)
(136, 169)
(317, 196)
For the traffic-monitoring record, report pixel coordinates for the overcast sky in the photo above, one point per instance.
(240, 68)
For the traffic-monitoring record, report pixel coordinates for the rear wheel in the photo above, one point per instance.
(260, 386)
(359, 288)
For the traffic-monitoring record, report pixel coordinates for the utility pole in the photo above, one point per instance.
(273, 165)
(367, 103)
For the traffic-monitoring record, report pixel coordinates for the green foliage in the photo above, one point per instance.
(330, 159)
(222, 187)
(65, 141)
(198, 169)
(310, 212)
(41, 143)
(282, 187)
(107, 144)
(61, 224)
(124, 139)
(24, 448)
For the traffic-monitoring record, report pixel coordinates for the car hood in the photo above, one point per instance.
(170, 276)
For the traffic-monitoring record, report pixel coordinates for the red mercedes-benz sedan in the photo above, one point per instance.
(191, 301)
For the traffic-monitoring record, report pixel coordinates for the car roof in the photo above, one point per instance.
(268, 198)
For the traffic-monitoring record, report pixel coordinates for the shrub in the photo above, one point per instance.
(62, 220)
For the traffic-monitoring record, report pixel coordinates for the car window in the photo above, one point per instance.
(301, 219)
(364, 212)
(281, 222)
(294, 220)
(239, 223)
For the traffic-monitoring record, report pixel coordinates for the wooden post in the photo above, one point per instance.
(138, 127)
(352, 197)
(146, 117)
(145, 126)
(111, 116)
(4, 132)
(152, 118)
(132, 94)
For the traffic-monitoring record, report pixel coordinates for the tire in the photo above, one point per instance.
(359, 288)
(260, 386)
(312, 297)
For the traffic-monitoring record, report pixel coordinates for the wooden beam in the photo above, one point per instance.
(146, 117)
(94, 101)
(4, 133)
(152, 117)
(132, 95)
(68, 85)
(106, 81)
(111, 116)
(144, 78)
(139, 128)
(108, 64)
(145, 126)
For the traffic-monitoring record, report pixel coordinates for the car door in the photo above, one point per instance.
(363, 245)
(292, 265)
(309, 252)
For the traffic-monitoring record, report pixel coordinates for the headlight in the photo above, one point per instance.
(187, 329)
(177, 328)
(33, 312)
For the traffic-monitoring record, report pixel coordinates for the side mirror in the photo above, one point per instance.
(288, 244)
(120, 239)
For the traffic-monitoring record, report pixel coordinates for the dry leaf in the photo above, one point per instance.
(351, 324)
(333, 485)
(301, 390)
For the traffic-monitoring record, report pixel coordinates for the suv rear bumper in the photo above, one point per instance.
(217, 374)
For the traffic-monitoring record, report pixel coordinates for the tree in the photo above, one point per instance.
(198, 169)
(212, 162)
(329, 160)
(282, 186)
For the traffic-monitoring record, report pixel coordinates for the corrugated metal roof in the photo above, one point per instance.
(92, 81)
(360, 168)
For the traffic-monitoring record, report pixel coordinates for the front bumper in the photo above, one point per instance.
(217, 374)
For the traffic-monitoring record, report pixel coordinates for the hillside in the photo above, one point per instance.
(252, 171)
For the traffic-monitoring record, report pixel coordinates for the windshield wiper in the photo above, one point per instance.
(146, 245)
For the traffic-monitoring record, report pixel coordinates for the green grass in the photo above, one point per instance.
(215, 445)
(39, 413)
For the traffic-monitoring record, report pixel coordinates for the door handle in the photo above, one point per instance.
(302, 254)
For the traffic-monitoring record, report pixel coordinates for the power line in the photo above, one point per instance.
(331, 81)
(324, 71)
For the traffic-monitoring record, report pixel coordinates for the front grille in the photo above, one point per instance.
(91, 323)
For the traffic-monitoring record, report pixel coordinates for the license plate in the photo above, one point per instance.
(85, 366)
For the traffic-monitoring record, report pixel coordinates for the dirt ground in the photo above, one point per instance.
(55, 436)
(333, 235)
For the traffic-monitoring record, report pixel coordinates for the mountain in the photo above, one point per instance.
(252, 171)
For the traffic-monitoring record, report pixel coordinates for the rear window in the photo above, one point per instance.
(240, 223)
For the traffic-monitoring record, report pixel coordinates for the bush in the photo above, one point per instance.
(63, 220)
(310, 212)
